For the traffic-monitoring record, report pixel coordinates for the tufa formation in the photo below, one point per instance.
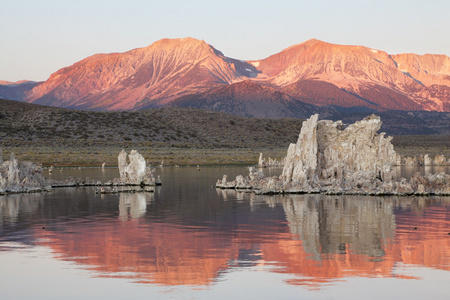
(330, 159)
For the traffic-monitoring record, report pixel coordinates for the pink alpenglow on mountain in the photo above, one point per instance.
(312, 72)
(368, 77)
(156, 74)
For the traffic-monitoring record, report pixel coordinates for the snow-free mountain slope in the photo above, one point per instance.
(166, 69)
(314, 72)
(16, 90)
(409, 82)
(427, 69)
(250, 99)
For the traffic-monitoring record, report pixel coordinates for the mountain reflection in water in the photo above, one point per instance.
(186, 234)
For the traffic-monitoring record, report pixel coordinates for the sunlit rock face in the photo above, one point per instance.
(314, 72)
(18, 177)
(133, 169)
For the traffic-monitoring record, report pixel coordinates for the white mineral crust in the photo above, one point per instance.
(134, 172)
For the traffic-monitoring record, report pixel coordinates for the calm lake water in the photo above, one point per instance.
(190, 241)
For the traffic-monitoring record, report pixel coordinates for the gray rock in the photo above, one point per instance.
(356, 160)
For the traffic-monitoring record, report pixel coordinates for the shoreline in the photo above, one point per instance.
(94, 156)
(168, 156)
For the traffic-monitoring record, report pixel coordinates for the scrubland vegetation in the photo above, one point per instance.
(59, 137)
(54, 136)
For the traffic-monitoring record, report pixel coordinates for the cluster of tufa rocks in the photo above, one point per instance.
(26, 176)
(426, 160)
(134, 175)
(269, 162)
(330, 159)
(23, 177)
(133, 172)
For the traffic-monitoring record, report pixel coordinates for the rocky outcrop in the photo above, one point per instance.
(330, 159)
(440, 160)
(430, 184)
(427, 161)
(327, 155)
(241, 183)
(134, 175)
(24, 177)
(21, 177)
(133, 169)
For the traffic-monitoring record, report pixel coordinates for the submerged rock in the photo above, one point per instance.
(330, 159)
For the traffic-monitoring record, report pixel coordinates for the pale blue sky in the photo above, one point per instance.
(39, 37)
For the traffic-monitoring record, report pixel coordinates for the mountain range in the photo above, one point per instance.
(311, 77)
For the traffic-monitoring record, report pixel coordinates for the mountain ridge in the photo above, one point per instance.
(313, 72)
(250, 99)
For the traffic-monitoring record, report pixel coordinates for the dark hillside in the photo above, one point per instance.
(22, 123)
(179, 135)
(64, 136)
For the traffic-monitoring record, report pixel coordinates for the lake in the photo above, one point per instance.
(188, 240)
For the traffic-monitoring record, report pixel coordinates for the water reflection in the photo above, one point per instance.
(11, 206)
(337, 225)
(361, 236)
(195, 236)
(134, 205)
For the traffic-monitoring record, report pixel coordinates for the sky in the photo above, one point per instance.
(37, 38)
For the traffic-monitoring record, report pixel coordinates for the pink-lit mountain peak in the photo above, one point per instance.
(188, 48)
(123, 80)
(178, 43)
(315, 72)
(314, 57)
(346, 64)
